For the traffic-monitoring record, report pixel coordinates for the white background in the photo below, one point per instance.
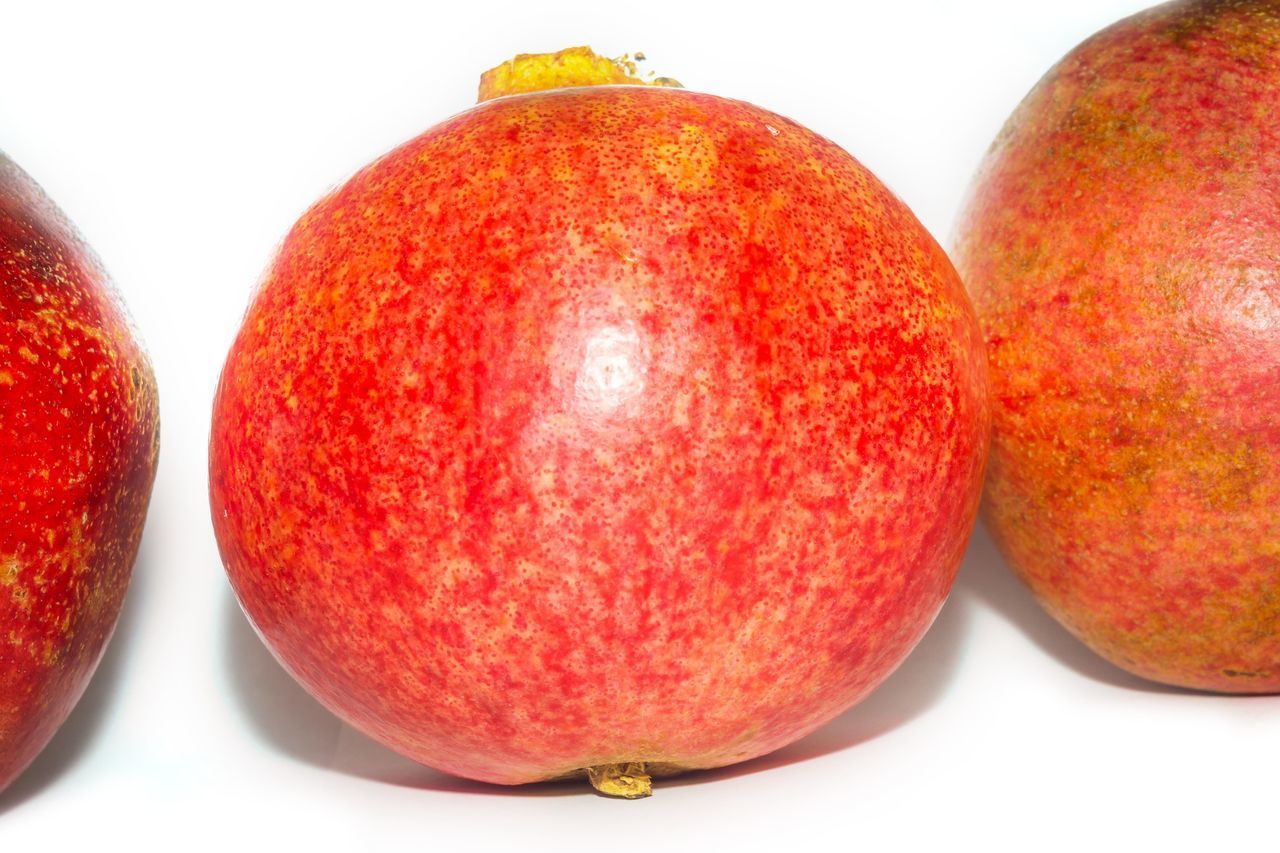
(185, 141)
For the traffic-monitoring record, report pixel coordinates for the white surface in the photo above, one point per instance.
(185, 142)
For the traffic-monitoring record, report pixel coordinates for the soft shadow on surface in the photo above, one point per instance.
(276, 708)
(77, 734)
(287, 718)
(918, 684)
(987, 578)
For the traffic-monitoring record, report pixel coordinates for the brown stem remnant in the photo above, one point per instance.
(628, 781)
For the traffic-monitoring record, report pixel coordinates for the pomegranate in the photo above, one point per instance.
(78, 447)
(601, 430)
(1122, 244)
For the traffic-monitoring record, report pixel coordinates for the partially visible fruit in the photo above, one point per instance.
(78, 446)
(1122, 244)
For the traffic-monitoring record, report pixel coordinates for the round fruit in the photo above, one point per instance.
(78, 445)
(1122, 244)
(610, 430)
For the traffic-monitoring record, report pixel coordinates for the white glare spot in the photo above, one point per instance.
(1254, 303)
(772, 129)
(612, 368)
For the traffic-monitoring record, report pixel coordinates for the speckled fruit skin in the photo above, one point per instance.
(1122, 244)
(600, 425)
(78, 445)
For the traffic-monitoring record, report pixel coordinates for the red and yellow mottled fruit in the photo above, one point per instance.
(78, 444)
(1122, 244)
(610, 430)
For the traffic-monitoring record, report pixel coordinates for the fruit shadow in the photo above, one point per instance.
(285, 717)
(86, 720)
(918, 684)
(986, 578)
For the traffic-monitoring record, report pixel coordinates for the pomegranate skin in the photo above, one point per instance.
(1122, 245)
(78, 448)
(596, 426)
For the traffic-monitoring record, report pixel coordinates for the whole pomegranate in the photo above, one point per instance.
(609, 431)
(1122, 244)
(78, 446)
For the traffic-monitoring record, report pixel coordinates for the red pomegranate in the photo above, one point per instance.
(78, 446)
(1122, 244)
(605, 430)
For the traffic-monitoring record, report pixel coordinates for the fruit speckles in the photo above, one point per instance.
(1121, 247)
(595, 427)
(78, 448)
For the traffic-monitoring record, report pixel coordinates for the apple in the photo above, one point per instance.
(607, 431)
(1122, 244)
(78, 446)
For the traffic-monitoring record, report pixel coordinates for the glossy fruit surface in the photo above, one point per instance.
(78, 445)
(1122, 245)
(597, 427)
